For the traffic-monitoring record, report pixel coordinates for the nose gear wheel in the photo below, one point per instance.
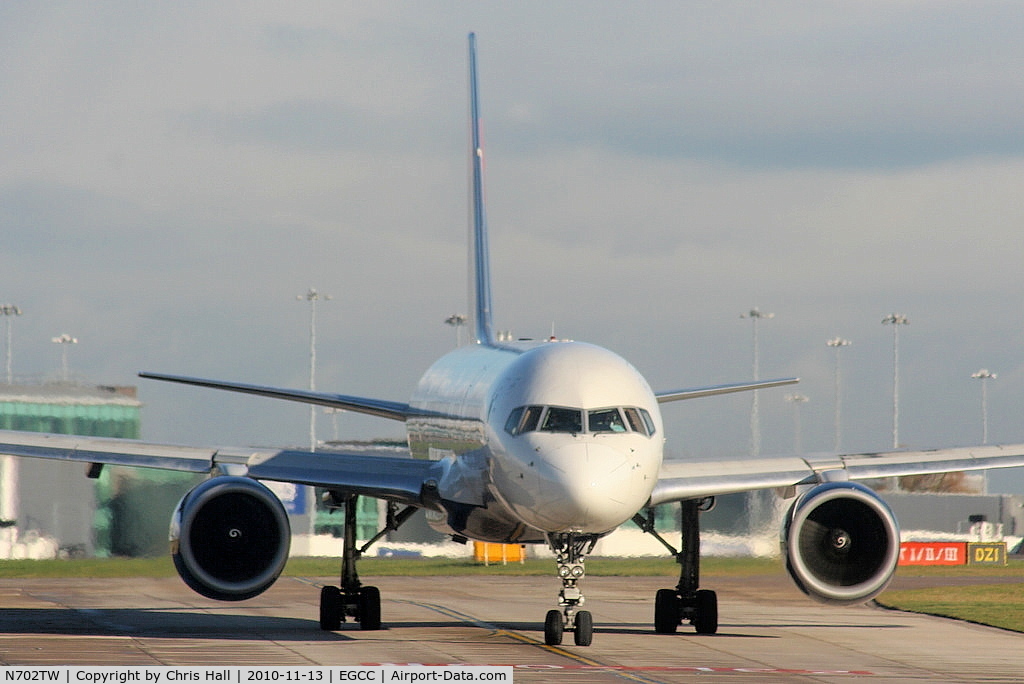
(570, 553)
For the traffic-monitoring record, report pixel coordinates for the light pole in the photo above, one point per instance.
(9, 311)
(312, 297)
(756, 315)
(895, 320)
(64, 340)
(457, 321)
(984, 375)
(9, 464)
(838, 343)
(798, 441)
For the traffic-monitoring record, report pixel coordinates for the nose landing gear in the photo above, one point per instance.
(570, 553)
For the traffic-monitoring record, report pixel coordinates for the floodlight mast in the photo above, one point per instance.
(798, 441)
(838, 343)
(64, 340)
(895, 320)
(457, 321)
(756, 315)
(984, 375)
(9, 464)
(8, 311)
(312, 297)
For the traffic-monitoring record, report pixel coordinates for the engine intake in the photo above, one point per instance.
(230, 538)
(841, 543)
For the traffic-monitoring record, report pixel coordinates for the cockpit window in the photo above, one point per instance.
(562, 420)
(648, 421)
(531, 418)
(523, 419)
(605, 420)
(514, 418)
(636, 424)
(559, 419)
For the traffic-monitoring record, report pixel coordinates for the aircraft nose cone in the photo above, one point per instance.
(589, 487)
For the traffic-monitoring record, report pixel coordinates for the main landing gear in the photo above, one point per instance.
(686, 601)
(570, 553)
(352, 599)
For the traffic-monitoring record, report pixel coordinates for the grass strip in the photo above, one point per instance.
(997, 605)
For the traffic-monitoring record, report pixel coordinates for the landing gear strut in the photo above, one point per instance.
(570, 553)
(352, 599)
(686, 601)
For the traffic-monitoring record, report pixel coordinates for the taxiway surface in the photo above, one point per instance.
(768, 631)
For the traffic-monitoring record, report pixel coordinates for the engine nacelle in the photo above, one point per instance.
(230, 538)
(841, 543)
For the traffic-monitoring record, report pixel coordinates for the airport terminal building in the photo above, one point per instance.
(50, 508)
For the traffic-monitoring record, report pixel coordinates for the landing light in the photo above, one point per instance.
(575, 571)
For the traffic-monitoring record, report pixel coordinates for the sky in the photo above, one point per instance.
(172, 175)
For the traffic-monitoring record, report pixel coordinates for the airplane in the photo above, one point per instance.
(530, 442)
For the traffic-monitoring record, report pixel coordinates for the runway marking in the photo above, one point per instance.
(584, 662)
(624, 671)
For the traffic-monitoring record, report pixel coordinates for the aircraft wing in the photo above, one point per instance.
(403, 480)
(392, 410)
(680, 479)
(696, 392)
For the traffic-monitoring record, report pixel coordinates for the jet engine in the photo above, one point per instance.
(841, 543)
(230, 538)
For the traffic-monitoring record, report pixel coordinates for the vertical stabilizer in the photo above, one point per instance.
(481, 261)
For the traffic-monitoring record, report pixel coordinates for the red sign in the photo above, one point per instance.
(933, 553)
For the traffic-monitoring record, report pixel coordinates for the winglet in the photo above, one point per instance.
(481, 261)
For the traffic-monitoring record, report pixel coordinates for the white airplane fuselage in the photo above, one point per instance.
(540, 438)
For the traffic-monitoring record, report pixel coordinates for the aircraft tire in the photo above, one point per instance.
(369, 608)
(330, 609)
(584, 633)
(666, 611)
(705, 619)
(553, 628)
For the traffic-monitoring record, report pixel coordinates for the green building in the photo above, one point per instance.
(51, 508)
(71, 410)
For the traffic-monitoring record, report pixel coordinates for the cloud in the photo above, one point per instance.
(172, 176)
